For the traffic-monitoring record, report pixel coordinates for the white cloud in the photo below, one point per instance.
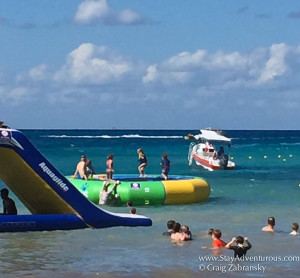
(92, 11)
(128, 17)
(39, 72)
(199, 67)
(92, 64)
(18, 93)
(223, 70)
(275, 66)
(202, 59)
(151, 74)
(15, 95)
(186, 60)
(226, 61)
(219, 79)
(237, 84)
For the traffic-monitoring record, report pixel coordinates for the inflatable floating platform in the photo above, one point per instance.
(53, 200)
(152, 190)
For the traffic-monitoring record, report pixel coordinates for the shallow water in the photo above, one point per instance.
(265, 183)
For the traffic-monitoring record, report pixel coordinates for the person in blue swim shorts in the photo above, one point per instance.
(165, 166)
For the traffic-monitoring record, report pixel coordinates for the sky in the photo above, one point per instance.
(144, 64)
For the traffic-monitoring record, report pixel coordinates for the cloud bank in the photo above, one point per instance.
(261, 81)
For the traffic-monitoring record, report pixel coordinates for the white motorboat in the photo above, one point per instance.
(204, 152)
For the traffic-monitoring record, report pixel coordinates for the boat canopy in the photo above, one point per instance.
(211, 135)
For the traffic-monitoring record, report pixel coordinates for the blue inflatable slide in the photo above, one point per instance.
(54, 202)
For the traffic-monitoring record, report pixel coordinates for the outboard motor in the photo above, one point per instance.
(223, 161)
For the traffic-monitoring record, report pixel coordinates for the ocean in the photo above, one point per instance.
(265, 183)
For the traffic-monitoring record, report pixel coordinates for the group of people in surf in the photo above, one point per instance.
(239, 244)
(84, 168)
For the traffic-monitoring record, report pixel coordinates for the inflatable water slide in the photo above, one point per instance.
(54, 202)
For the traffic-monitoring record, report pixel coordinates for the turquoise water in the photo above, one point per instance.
(265, 183)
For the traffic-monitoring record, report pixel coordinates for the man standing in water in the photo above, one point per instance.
(270, 226)
(9, 206)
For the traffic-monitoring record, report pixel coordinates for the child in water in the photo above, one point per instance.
(178, 235)
(217, 241)
(186, 230)
(295, 228)
(170, 225)
(239, 249)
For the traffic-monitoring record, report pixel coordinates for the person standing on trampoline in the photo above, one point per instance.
(143, 163)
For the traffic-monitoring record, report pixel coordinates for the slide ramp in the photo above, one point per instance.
(44, 190)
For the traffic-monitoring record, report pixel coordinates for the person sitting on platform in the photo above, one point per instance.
(90, 171)
(9, 206)
(81, 172)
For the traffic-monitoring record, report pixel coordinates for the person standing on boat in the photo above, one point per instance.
(165, 165)
(143, 163)
(109, 166)
(220, 152)
(9, 206)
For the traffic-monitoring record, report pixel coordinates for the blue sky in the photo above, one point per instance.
(143, 64)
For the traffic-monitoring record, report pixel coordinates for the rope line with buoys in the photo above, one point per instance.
(279, 156)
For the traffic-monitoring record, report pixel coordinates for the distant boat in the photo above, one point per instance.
(204, 152)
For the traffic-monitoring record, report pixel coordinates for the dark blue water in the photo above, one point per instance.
(265, 183)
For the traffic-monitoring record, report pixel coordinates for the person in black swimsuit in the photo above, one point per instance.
(143, 163)
(239, 249)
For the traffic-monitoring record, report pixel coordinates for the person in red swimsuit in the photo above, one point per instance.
(217, 241)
